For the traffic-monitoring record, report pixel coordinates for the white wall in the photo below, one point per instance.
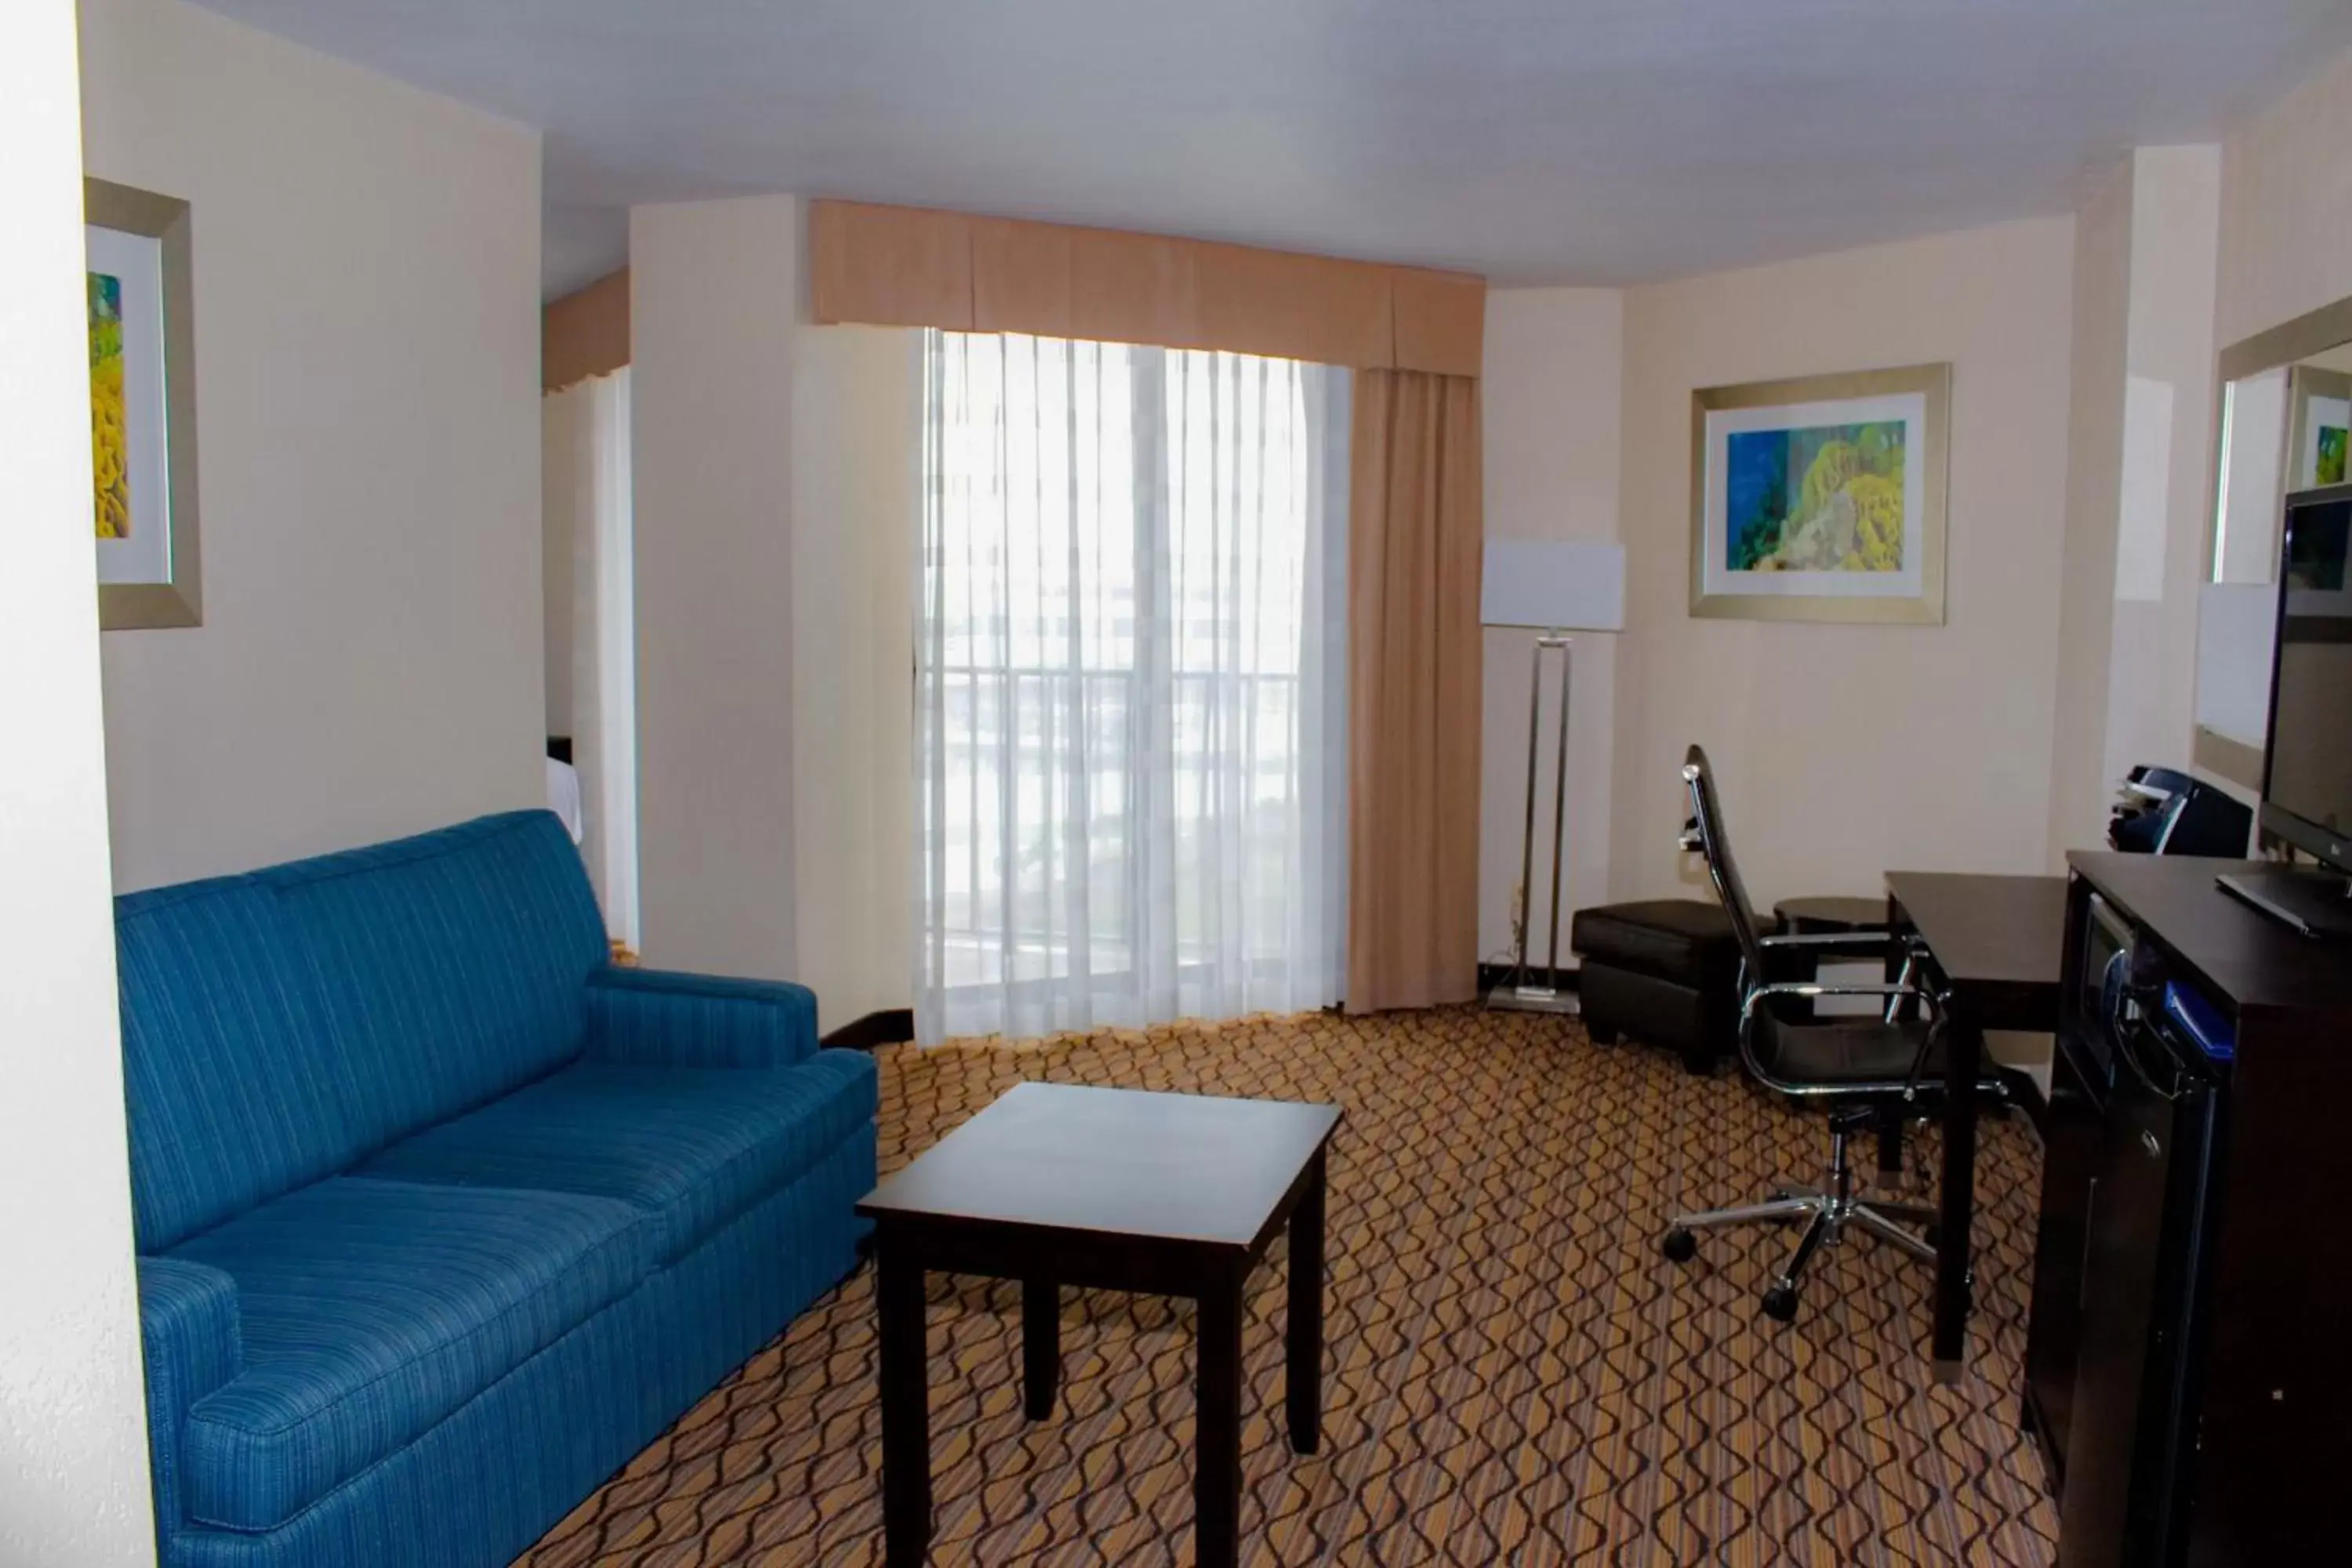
(1551, 394)
(856, 504)
(560, 461)
(2099, 354)
(73, 1458)
(715, 303)
(2140, 494)
(2286, 207)
(2167, 480)
(1844, 751)
(367, 326)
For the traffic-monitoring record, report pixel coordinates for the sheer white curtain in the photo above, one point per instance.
(594, 420)
(1131, 686)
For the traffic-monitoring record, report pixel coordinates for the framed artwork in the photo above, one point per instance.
(1821, 497)
(142, 406)
(2319, 420)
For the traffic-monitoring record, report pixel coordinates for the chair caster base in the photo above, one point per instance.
(1679, 1245)
(1781, 1303)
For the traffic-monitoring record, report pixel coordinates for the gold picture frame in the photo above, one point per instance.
(162, 585)
(1783, 528)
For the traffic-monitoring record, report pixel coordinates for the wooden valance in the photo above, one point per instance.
(585, 333)
(913, 266)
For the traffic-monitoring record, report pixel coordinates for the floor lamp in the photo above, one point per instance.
(1553, 587)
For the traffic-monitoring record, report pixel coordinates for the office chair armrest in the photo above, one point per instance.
(1758, 996)
(1873, 940)
(1879, 936)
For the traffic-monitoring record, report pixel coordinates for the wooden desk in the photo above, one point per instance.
(1996, 948)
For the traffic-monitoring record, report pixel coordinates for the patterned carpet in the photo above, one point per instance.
(1514, 1375)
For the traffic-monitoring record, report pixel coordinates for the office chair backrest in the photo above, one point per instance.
(1721, 869)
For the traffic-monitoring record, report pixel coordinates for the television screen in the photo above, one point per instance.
(2311, 702)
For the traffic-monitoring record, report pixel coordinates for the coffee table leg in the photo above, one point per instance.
(1041, 1345)
(906, 1405)
(1217, 1429)
(1303, 1375)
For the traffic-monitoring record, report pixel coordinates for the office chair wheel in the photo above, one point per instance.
(1932, 1234)
(1601, 1034)
(1781, 1303)
(1679, 1245)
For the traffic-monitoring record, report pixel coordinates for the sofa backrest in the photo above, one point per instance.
(235, 1093)
(282, 1025)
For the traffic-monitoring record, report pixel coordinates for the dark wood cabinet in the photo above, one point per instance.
(2186, 1375)
(2072, 1132)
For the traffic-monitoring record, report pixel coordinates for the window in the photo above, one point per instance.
(1130, 685)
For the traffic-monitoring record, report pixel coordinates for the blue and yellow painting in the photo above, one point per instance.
(107, 448)
(1821, 497)
(2330, 465)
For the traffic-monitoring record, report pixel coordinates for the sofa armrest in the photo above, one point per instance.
(657, 1017)
(192, 1343)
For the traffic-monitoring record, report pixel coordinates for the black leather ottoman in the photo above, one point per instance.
(1664, 973)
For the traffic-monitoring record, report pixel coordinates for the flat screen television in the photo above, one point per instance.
(2307, 766)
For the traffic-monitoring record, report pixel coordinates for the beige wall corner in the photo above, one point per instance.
(368, 396)
(2286, 207)
(73, 1433)
(2139, 481)
(712, 451)
(561, 459)
(1846, 750)
(2165, 498)
(857, 517)
(1554, 370)
(2097, 354)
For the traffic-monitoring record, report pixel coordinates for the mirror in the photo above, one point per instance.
(2283, 429)
(2286, 426)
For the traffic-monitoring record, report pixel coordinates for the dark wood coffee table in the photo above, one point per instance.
(1109, 1189)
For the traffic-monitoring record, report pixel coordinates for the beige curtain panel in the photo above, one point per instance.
(911, 266)
(1415, 537)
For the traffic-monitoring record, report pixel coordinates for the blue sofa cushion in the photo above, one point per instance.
(448, 965)
(233, 1092)
(370, 1311)
(694, 1147)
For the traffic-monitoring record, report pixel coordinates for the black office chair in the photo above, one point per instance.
(1873, 1074)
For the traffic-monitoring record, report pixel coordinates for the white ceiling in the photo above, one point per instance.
(1537, 140)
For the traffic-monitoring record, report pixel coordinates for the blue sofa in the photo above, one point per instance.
(442, 1217)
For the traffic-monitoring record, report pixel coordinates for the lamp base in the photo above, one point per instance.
(1533, 999)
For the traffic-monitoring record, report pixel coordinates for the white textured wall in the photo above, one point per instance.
(1550, 394)
(73, 1460)
(560, 460)
(2286, 207)
(367, 408)
(2167, 468)
(2098, 355)
(1848, 749)
(715, 291)
(856, 516)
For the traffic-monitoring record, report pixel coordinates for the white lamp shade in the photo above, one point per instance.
(1554, 584)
